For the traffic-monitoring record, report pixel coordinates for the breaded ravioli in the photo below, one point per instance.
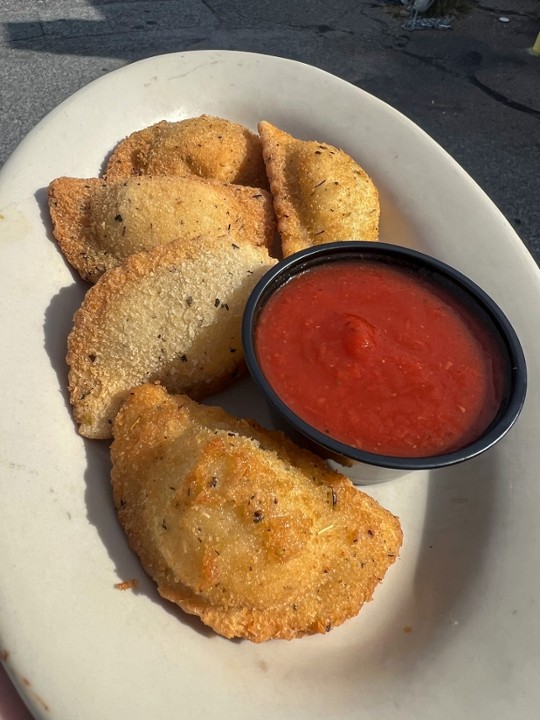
(237, 525)
(171, 314)
(98, 224)
(320, 193)
(207, 146)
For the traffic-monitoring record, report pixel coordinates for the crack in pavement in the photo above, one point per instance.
(496, 95)
(475, 60)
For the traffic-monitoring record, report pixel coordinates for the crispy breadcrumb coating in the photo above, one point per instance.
(172, 314)
(239, 526)
(207, 146)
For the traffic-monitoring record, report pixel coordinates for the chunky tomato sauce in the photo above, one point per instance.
(380, 359)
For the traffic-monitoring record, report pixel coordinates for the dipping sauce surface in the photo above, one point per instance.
(380, 358)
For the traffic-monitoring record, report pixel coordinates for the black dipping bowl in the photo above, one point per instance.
(366, 467)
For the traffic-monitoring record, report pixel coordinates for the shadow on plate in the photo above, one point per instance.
(100, 510)
(101, 514)
(56, 328)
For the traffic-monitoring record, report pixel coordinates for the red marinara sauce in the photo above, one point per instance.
(380, 358)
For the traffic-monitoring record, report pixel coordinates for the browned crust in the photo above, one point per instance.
(69, 200)
(128, 157)
(247, 215)
(320, 194)
(208, 146)
(172, 314)
(172, 457)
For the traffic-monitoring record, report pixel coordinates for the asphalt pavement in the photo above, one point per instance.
(474, 86)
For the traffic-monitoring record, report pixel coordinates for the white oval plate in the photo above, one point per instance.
(453, 632)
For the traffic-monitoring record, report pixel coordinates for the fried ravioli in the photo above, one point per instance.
(98, 224)
(320, 193)
(207, 146)
(239, 526)
(172, 314)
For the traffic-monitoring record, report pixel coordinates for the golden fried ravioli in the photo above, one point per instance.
(171, 314)
(239, 526)
(207, 146)
(98, 224)
(320, 193)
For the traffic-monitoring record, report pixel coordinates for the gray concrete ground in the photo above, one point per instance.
(474, 88)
